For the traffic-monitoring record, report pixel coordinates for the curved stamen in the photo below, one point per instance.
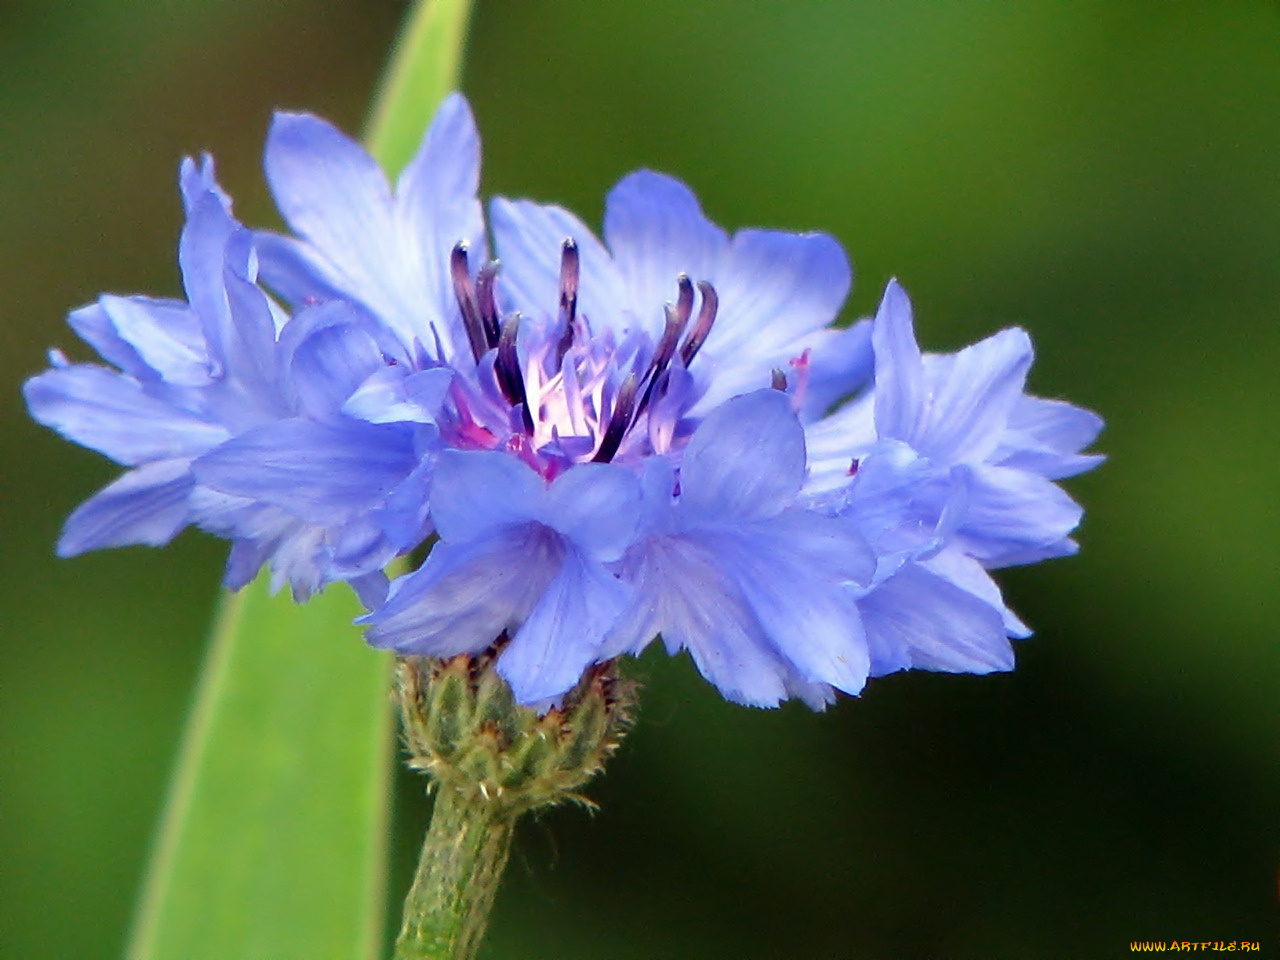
(487, 302)
(465, 293)
(569, 264)
(619, 421)
(506, 368)
(677, 319)
(702, 326)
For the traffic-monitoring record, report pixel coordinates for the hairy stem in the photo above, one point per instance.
(463, 856)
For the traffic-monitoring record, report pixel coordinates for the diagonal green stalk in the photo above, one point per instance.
(272, 842)
(273, 837)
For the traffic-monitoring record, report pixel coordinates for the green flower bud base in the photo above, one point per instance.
(489, 760)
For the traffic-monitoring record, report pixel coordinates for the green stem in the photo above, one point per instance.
(462, 860)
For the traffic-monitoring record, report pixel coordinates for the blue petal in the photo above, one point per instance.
(972, 395)
(466, 594)
(166, 335)
(437, 208)
(656, 231)
(968, 574)
(112, 414)
(564, 631)
(1045, 437)
(96, 328)
(147, 505)
(900, 386)
(918, 619)
(329, 365)
(805, 612)
(682, 591)
(775, 289)
(476, 492)
(202, 250)
(842, 363)
(746, 459)
(595, 505)
(1012, 513)
(391, 395)
(529, 237)
(333, 195)
(320, 472)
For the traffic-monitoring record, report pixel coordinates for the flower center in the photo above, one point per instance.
(557, 393)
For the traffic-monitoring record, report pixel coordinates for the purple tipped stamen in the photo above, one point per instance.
(569, 264)
(778, 380)
(506, 368)
(465, 293)
(487, 303)
(677, 318)
(619, 421)
(702, 326)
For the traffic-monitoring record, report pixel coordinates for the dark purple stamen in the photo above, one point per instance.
(677, 319)
(487, 303)
(778, 380)
(853, 467)
(702, 326)
(506, 367)
(568, 295)
(465, 292)
(619, 422)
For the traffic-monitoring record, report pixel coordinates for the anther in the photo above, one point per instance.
(465, 292)
(568, 295)
(487, 303)
(569, 280)
(506, 368)
(778, 380)
(620, 420)
(702, 326)
(853, 467)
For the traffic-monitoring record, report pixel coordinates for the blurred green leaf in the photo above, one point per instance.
(273, 840)
(427, 65)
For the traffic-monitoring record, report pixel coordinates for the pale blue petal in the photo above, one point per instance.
(564, 631)
(774, 289)
(801, 606)
(329, 365)
(934, 625)
(334, 196)
(1046, 437)
(682, 592)
(1015, 513)
(320, 472)
(478, 491)
(972, 395)
(166, 335)
(466, 594)
(96, 328)
(656, 231)
(595, 505)
(436, 201)
(529, 237)
(967, 574)
(841, 363)
(745, 460)
(112, 414)
(899, 372)
(394, 394)
(147, 505)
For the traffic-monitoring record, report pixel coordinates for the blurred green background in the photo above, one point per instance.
(1107, 175)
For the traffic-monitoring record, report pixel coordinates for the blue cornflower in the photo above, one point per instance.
(611, 439)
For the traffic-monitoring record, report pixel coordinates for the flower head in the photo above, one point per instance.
(611, 439)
